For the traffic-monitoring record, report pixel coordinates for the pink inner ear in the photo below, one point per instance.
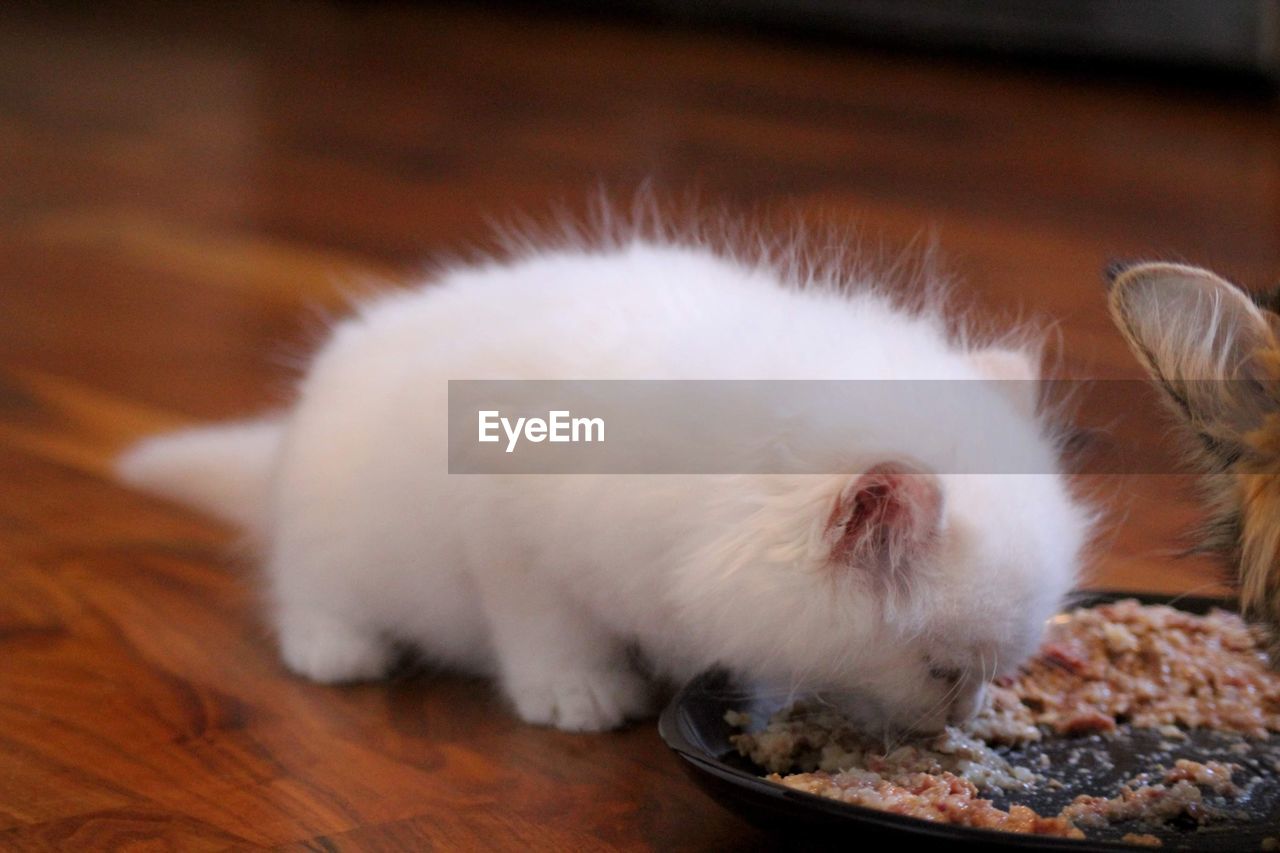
(888, 515)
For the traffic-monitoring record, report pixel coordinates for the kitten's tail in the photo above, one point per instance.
(223, 470)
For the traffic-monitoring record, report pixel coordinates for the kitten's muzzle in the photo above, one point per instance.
(968, 700)
(968, 703)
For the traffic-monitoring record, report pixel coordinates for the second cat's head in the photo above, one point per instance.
(1214, 353)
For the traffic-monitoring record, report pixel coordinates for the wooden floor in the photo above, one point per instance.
(186, 195)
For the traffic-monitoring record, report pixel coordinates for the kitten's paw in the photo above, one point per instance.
(583, 701)
(330, 651)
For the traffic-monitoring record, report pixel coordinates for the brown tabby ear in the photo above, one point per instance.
(1201, 338)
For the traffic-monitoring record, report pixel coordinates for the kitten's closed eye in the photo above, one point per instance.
(942, 672)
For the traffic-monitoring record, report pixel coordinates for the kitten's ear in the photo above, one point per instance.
(1016, 372)
(884, 518)
(1204, 341)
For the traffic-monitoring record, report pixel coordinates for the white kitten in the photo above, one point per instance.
(910, 588)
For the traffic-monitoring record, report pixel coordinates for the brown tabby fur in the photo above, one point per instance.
(1215, 354)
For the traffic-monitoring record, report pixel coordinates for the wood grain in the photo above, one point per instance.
(188, 193)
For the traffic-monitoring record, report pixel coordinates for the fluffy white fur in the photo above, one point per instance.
(549, 583)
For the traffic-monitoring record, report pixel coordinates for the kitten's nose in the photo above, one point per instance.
(967, 703)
